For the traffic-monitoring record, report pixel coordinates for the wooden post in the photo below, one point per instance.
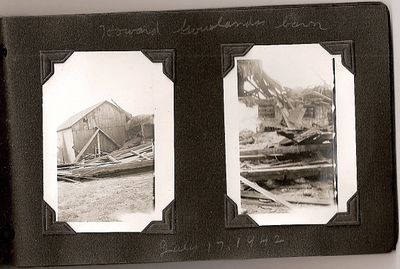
(98, 144)
(86, 146)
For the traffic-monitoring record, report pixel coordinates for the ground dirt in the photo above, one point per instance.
(103, 200)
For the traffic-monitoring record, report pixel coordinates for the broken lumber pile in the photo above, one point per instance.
(132, 160)
(311, 136)
(115, 169)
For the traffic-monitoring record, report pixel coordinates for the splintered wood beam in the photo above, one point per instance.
(251, 157)
(109, 138)
(286, 118)
(67, 179)
(118, 154)
(115, 169)
(140, 155)
(326, 98)
(264, 192)
(86, 146)
(288, 172)
(306, 201)
(111, 158)
(288, 149)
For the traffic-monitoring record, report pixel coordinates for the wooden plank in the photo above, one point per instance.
(287, 149)
(138, 148)
(83, 178)
(109, 137)
(287, 172)
(264, 192)
(86, 146)
(326, 98)
(251, 157)
(307, 201)
(285, 115)
(111, 158)
(114, 169)
(140, 155)
(296, 115)
(67, 179)
(130, 154)
(67, 165)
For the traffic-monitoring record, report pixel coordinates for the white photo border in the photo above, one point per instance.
(346, 167)
(164, 161)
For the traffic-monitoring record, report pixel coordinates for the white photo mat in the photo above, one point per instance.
(134, 66)
(345, 133)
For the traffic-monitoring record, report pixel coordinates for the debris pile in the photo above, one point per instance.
(297, 170)
(290, 158)
(128, 159)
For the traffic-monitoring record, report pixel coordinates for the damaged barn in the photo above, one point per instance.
(105, 146)
(287, 143)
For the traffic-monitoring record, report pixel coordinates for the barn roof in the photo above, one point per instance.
(75, 118)
(142, 119)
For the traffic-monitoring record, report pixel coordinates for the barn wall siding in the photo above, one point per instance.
(108, 118)
(274, 121)
(61, 149)
(65, 153)
(320, 117)
(69, 141)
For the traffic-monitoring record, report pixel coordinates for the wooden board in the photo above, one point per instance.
(118, 168)
(287, 172)
(288, 150)
(264, 192)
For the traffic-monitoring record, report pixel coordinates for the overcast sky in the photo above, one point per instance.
(87, 78)
(295, 65)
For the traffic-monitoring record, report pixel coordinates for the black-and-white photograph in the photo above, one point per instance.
(286, 138)
(283, 160)
(108, 117)
(106, 152)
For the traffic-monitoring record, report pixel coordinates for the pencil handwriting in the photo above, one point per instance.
(293, 21)
(113, 31)
(222, 247)
(188, 29)
(165, 249)
(290, 21)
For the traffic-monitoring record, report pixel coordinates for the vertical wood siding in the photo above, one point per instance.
(65, 147)
(108, 118)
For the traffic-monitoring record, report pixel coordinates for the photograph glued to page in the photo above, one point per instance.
(108, 141)
(290, 134)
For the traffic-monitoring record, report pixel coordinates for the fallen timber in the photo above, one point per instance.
(282, 173)
(306, 201)
(295, 149)
(115, 169)
(67, 179)
(251, 157)
(265, 193)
